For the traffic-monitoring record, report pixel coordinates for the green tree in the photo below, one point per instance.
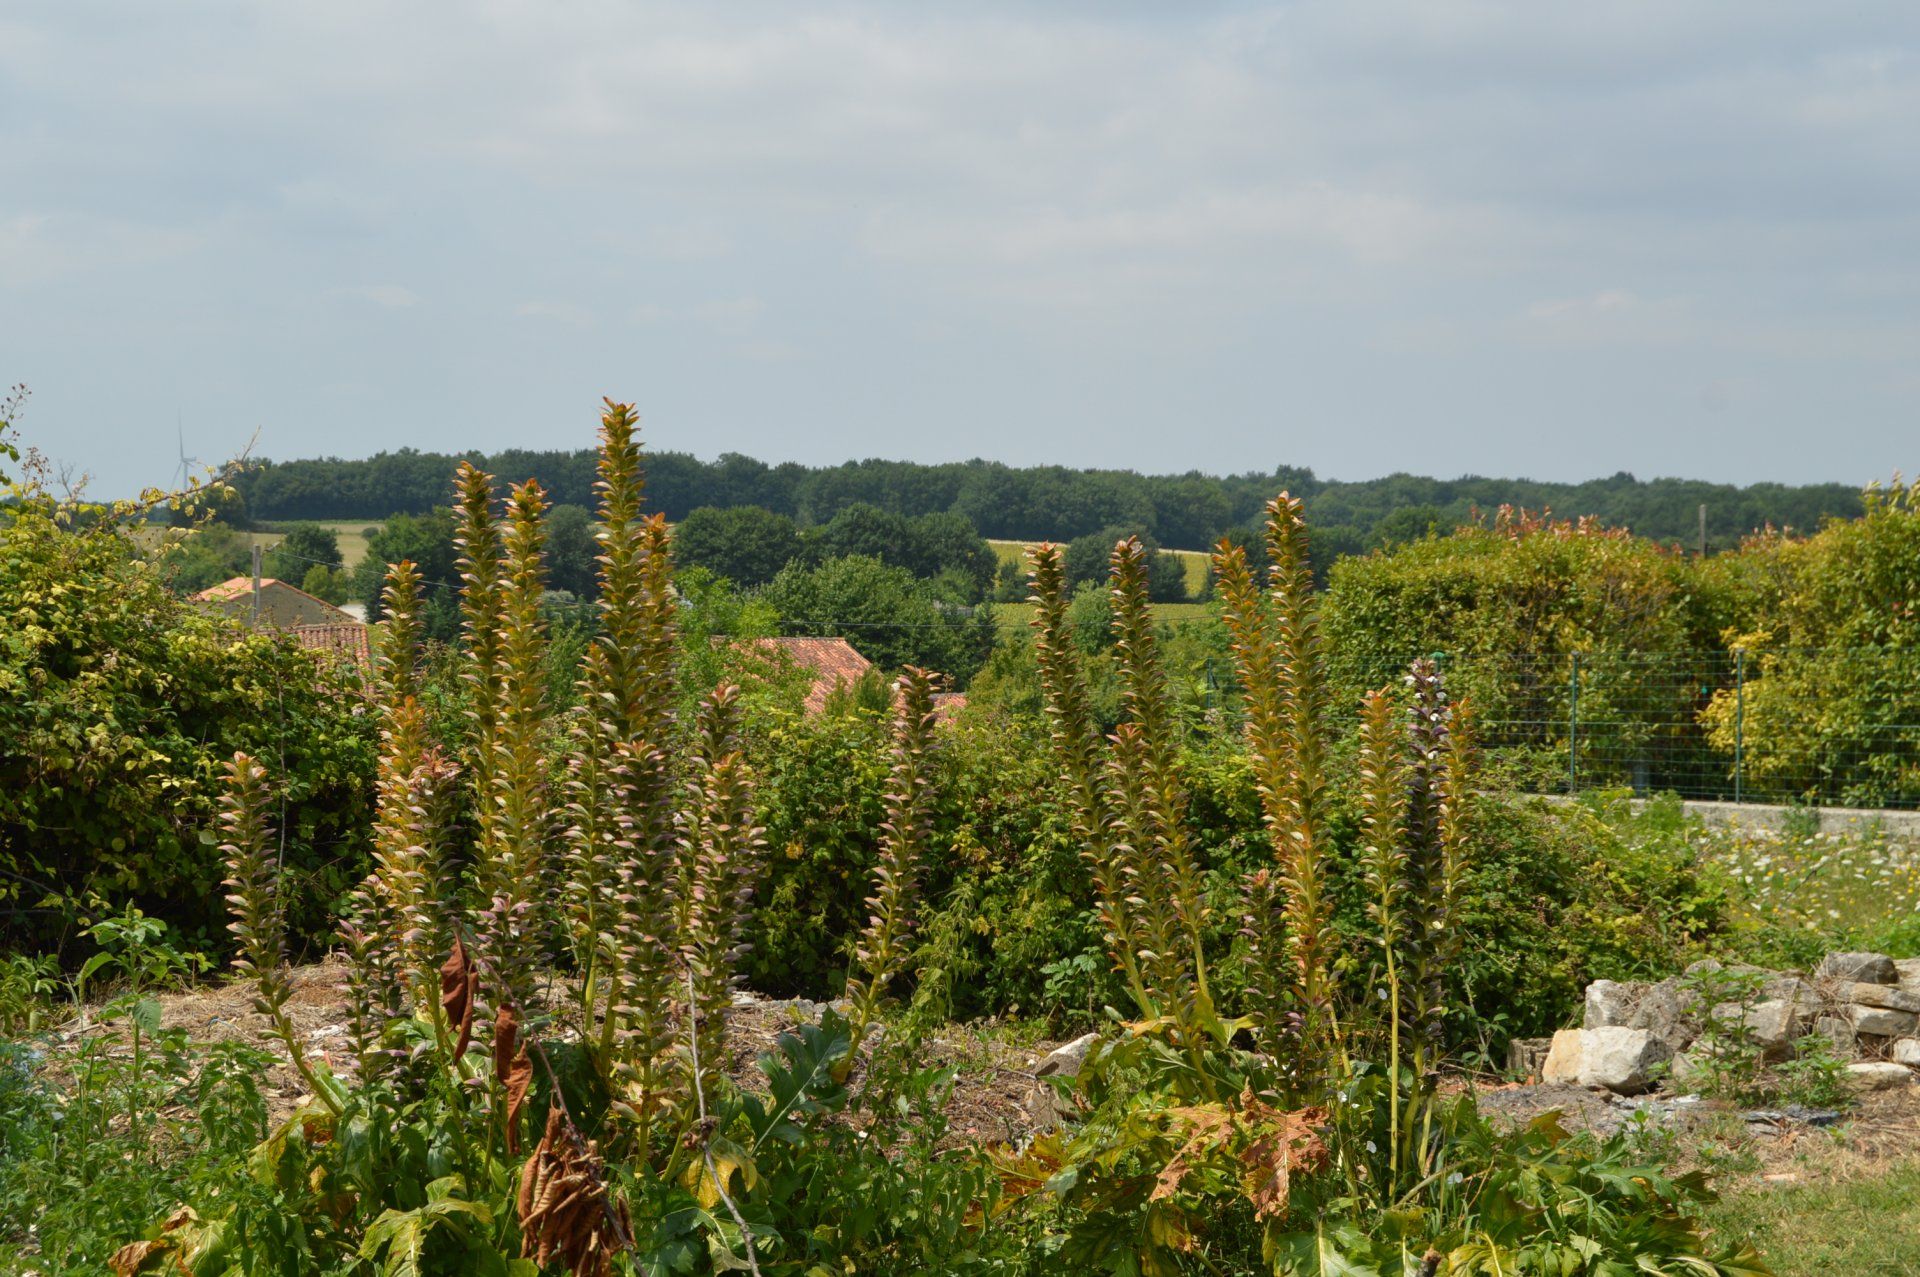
(1087, 558)
(572, 550)
(333, 585)
(892, 618)
(944, 543)
(746, 544)
(426, 540)
(305, 546)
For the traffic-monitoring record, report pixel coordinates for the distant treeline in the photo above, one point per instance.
(1186, 511)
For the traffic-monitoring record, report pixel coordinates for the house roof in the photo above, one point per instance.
(948, 704)
(236, 589)
(833, 661)
(347, 639)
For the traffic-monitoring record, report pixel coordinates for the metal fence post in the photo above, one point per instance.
(1573, 726)
(1739, 720)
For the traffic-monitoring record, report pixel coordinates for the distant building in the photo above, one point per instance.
(312, 622)
(833, 662)
(347, 641)
(282, 606)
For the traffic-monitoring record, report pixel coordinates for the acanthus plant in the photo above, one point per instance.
(626, 841)
(1307, 1135)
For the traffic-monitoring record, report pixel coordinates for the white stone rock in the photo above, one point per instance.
(1878, 1075)
(1868, 968)
(1564, 1057)
(1065, 1061)
(1890, 996)
(1881, 1023)
(1610, 1003)
(1687, 1067)
(1613, 1057)
(1840, 1030)
(1774, 1024)
(1623, 1060)
(1905, 1051)
(1907, 971)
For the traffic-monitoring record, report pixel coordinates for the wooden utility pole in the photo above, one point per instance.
(256, 583)
(1703, 529)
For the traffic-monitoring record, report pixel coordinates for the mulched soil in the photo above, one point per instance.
(995, 1095)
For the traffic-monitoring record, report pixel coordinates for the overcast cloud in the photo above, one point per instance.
(1520, 239)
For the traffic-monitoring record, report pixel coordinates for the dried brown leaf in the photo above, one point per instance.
(513, 1068)
(1288, 1143)
(459, 981)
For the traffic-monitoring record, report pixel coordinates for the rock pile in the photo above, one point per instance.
(1634, 1033)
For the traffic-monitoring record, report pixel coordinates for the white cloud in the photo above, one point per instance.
(556, 312)
(389, 296)
(1605, 302)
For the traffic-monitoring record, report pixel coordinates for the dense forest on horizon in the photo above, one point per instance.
(1185, 511)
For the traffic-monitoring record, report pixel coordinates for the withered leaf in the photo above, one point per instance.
(513, 1068)
(459, 981)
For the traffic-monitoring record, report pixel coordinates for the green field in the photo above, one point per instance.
(1195, 561)
(352, 534)
(1016, 615)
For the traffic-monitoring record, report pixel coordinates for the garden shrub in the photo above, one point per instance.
(1833, 643)
(118, 703)
(1505, 607)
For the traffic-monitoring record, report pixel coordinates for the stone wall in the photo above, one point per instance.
(1636, 1036)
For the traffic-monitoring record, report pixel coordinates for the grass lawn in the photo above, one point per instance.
(1865, 1222)
(1195, 561)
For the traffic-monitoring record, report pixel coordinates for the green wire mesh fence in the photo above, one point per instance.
(1831, 728)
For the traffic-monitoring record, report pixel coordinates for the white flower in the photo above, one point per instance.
(1455, 1178)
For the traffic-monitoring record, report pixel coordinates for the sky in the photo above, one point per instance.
(1531, 239)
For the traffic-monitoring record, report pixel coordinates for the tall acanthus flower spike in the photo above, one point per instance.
(636, 693)
(253, 894)
(882, 951)
(721, 851)
(515, 833)
(1276, 645)
(396, 667)
(1383, 859)
(1145, 789)
(478, 540)
(595, 838)
(1077, 754)
(254, 900)
(1428, 730)
(410, 781)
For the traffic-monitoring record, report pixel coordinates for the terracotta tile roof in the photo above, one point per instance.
(234, 588)
(832, 660)
(348, 640)
(240, 588)
(948, 704)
